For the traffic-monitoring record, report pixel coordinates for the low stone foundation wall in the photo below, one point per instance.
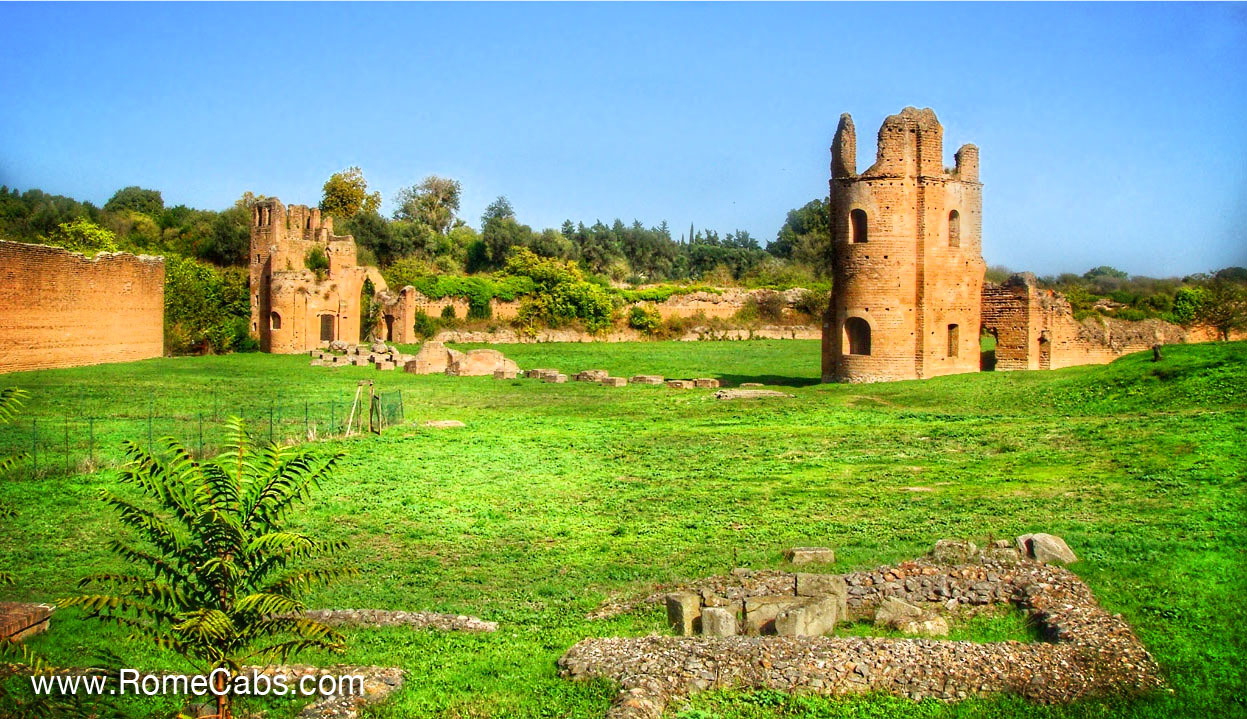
(507, 335)
(1089, 650)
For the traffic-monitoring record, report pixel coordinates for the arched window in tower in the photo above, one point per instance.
(274, 321)
(857, 220)
(954, 229)
(857, 335)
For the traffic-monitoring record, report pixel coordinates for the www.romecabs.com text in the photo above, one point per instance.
(219, 682)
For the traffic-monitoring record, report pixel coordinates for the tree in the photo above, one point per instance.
(499, 209)
(217, 576)
(136, 199)
(433, 202)
(805, 236)
(346, 194)
(1224, 306)
(82, 235)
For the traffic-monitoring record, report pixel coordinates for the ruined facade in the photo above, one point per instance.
(65, 310)
(907, 261)
(294, 308)
(908, 297)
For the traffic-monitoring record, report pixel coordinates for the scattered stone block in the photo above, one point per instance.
(718, 622)
(443, 423)
(318, 362)
(613, 381)
(539, 373)
(19, 620)
(646, 379)
(954, 551)
(358, 361)
(748, 394)
(479, 363)
(505, 374)
(813, 619)
(705, 383)
(433, 358)
(684, 612)
(679, 384)
(932, 626)
(752, 384)
(825, 585)
(1047, 548)
(385, 365)
(895, 613)
(810, 555)
(555, 378)
(761, 612)
(592, 375)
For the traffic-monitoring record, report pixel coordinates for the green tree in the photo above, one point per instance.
(1224, 306)
(218, 578)
(805, 236)
(82, 235)
(499, 209)
(136, 199)
(346, 194)
(433, 202)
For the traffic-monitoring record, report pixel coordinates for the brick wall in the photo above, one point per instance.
(64, 310)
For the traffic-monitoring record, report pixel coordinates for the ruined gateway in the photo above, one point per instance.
(908, 298)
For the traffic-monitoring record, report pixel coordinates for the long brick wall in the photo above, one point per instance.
(64, 310)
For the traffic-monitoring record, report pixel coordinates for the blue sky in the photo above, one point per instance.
(1110, 134)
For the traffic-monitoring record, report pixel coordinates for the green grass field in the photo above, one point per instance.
(556, 496)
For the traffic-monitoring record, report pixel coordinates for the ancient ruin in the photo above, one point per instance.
(66, 310)
(1081, 650)
(908, 298)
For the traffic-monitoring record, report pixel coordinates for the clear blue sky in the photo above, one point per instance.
(1110, 134)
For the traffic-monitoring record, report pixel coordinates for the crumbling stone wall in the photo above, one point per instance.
(65, 310)
(907, 263)
(1036, 329)
(293, 310)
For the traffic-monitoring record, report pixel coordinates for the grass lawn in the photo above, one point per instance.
(556, 496)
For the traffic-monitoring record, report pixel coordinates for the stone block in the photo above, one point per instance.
(591, 375)
(679, 384)
(318, 362)
(895, 613)
(505, 374)
(718, 622)
(433, 358)
(443, 423)
(810, 555)
(646, 379)
(705, 383)
(555, 378)
(613, 381)
(19, 620)
(684, 613)
(761, 612)
(1047, 548)
(539, 372)
(479, 363)
(358, 361)
(385, 365)
(954, 551)
(825, 585)
(813, 619)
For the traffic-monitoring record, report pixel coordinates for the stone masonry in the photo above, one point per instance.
(65, 310)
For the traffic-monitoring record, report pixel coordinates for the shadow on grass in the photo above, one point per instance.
(733, 380)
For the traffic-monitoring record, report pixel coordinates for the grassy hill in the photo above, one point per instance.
(557, 496)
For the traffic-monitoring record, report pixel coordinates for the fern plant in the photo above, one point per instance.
(218, 579)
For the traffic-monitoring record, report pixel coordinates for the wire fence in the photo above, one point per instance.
(50, 445)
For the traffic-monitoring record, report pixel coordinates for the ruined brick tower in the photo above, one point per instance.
(907, 259)
(294, 308)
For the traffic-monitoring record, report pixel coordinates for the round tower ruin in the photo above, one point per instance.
(907, 258)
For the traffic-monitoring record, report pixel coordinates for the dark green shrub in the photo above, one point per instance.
(644, 318)
(424, 325)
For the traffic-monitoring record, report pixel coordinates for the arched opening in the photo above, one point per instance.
(954, 337)
(954, 229)
(389, 328)
(274, 321)
(857, 336)
(326, 328)
(857, 220)
(1045, 350)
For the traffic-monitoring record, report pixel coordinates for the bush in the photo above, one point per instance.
(770, 306)
(424, 325)
(645, 318)
(448, 313)
(317, 261)
(813, 303)
(561, 293)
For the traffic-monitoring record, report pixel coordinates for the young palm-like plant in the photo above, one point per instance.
(220, 580)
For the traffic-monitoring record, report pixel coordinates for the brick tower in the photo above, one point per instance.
(906, 256)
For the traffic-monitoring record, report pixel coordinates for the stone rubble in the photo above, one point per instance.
(748, 394)
(388, 618)
(1088, 651)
